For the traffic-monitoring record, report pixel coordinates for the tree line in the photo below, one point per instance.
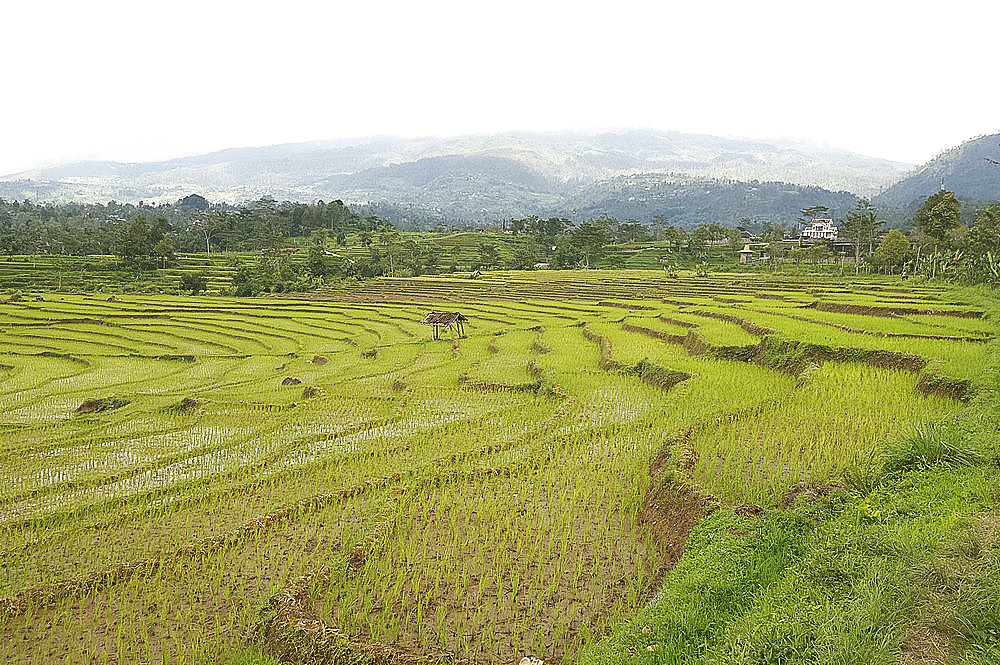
(146, 233)
(144, 237)
(940, 245)
(558, 242)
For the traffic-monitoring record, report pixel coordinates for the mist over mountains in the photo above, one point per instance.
(481, 179)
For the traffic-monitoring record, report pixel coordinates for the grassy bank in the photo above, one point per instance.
(897, 563)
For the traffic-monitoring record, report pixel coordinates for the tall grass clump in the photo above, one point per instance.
(928, 445)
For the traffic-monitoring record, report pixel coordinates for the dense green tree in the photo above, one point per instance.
(714, 235)
(891, 251)
(339, 218)
(984, 236)
(193, 202)
(191, 225)
(938, 217)
(245, 283)
(632, 231)
(659, 225)
(158, 229)
(544, 231)
(164, 250)
(818, 252)
(815, 212)
(778, 253)
(317, 261)
(268, 233)
(430, 254)
(699, 238)
(733, 238)
(397, 253)
(566, 254)
(859, 227)
(522, 255)
(193, 283)
(982, 248)
(590, 238)
(675, 236)
(137, 242)
(772, 232)
(488, 255)
(73, 240)
(205, 224)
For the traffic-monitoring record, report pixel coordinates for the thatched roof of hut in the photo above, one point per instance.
(444, 318)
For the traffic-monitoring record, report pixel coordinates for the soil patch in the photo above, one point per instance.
(631, 306)
(184, 358)
(747, 325)
(655, 334)
(956, 389)
(290, 630)
(102, 404)
(873, 310)
(64, 356)
(926, 646)
(670, 510)
(749, 510)
(659, 377)
(188, 405)
(794, 356)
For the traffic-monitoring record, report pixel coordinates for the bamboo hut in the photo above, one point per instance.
(452, 320)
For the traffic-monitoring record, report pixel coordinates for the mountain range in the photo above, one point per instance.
(481, 179)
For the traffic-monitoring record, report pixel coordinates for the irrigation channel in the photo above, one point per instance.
(318, 477)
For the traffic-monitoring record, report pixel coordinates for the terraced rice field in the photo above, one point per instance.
(182, 477)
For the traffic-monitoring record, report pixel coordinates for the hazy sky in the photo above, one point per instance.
(135, 81)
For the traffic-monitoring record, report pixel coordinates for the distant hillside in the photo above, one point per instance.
(963, 170)
(454, 188)
(688, 202)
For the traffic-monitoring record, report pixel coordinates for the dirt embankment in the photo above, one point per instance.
(795, 357)
(882, 310)
(654, 375)
(670, 510)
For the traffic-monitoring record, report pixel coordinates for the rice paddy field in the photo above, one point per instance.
(183, 477)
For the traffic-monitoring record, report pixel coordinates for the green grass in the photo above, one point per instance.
(248, 657)
(839, 579)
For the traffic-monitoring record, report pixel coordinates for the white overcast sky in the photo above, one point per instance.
(137, 81)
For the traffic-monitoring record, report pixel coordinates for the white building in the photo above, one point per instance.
(820, 229)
